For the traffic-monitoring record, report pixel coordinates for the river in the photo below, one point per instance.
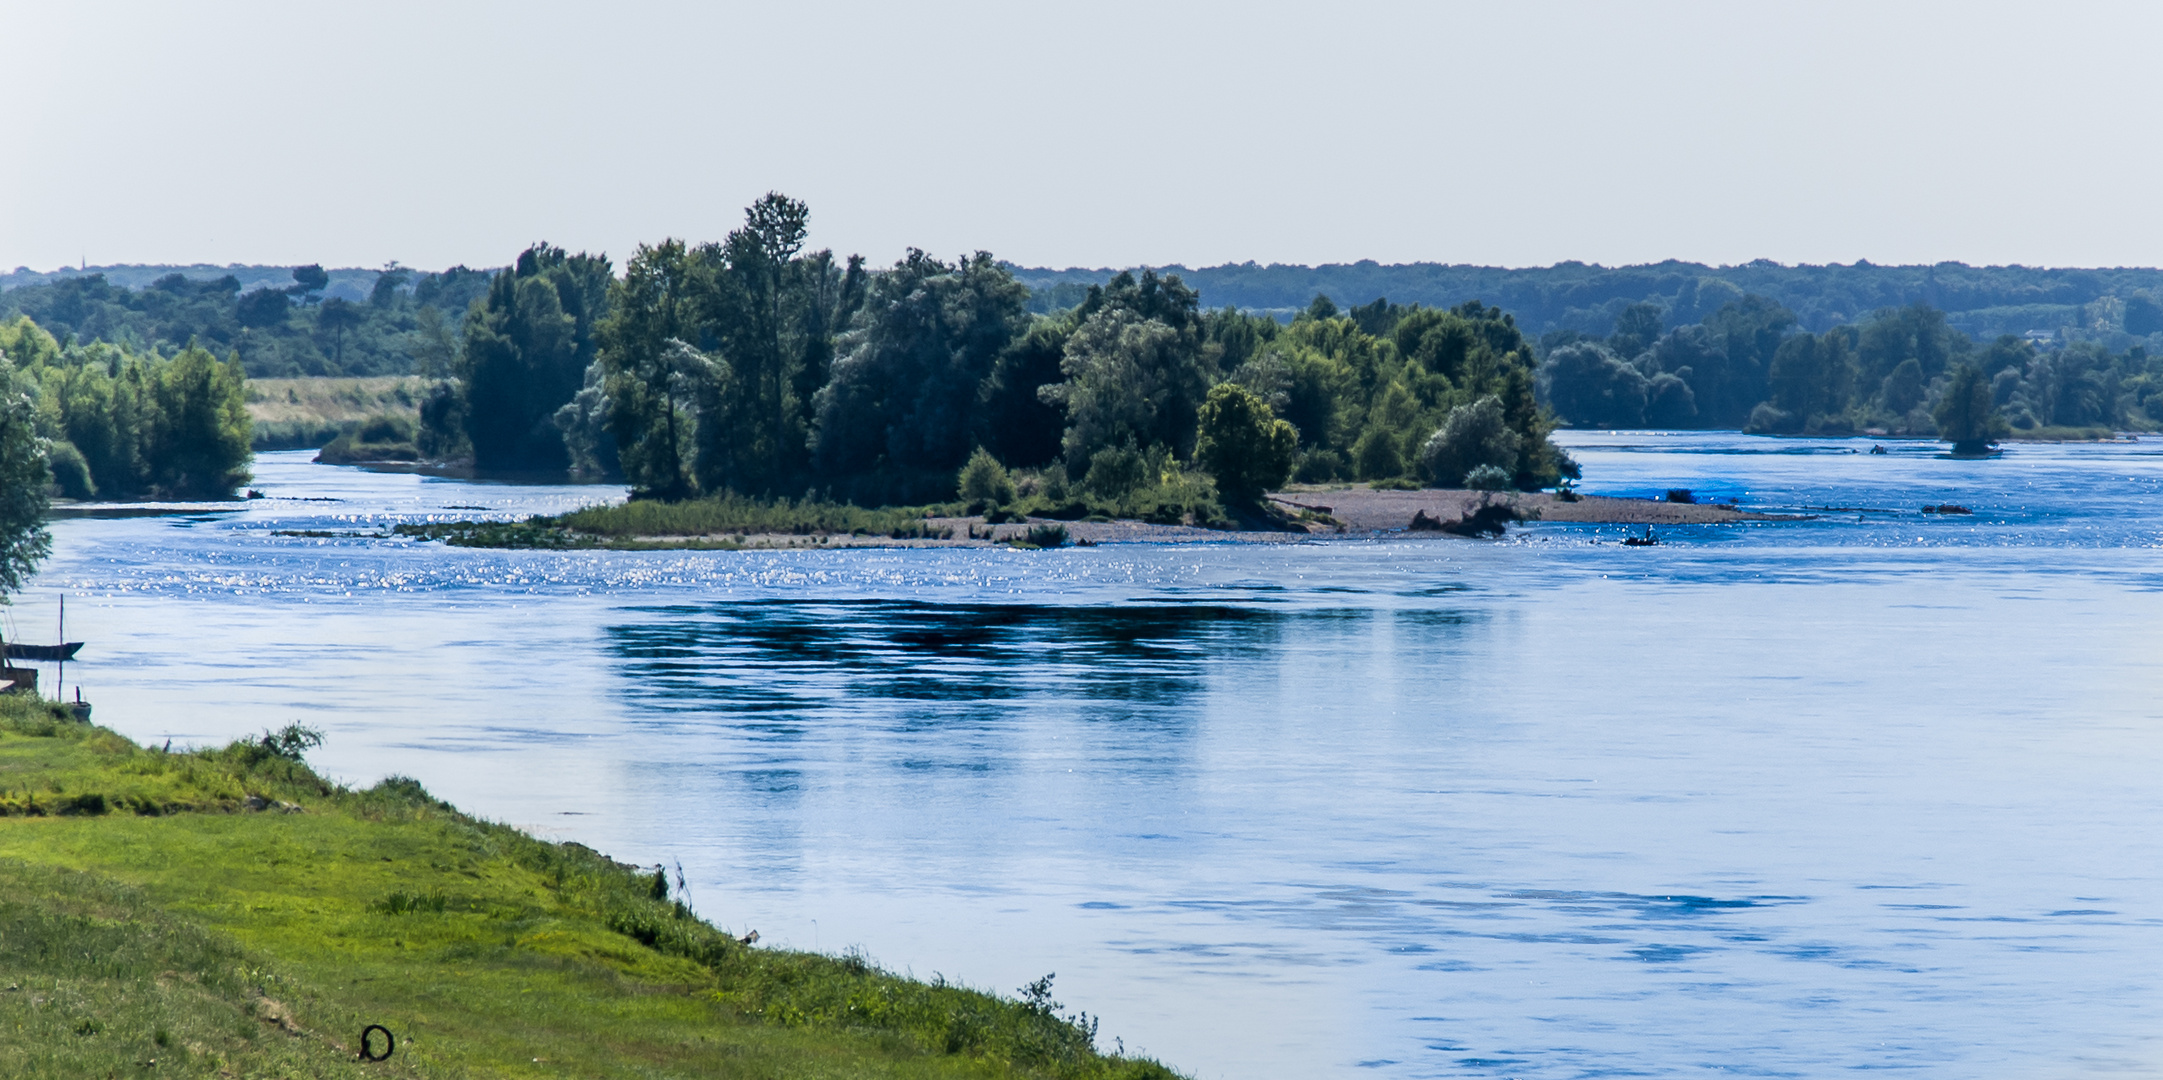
(1877, 790)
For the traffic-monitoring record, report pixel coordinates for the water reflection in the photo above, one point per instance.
(917, 662)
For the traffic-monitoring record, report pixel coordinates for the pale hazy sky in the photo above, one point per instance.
(1097, 134)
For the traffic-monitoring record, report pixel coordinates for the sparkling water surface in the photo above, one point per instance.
(1881, 790)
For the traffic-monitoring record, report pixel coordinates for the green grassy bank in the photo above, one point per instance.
(228, 913)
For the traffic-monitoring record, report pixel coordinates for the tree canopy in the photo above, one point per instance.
(755, 366)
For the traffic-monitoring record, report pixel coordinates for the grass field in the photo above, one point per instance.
(294, 413)
(227, 913)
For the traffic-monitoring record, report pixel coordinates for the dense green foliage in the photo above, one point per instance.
(382, 437)
(406, 324)
(123, 424)
(1749, 365)
(1243, 444)
(227, 912)
(754, 368)
(984, 482)
(527, 348)
(1964, 415)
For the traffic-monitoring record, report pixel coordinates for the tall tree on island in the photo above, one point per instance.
(775, 312)
(658, 312)
(527, 349)
(1964, 414)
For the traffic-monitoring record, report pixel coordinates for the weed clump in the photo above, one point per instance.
(1041, 536)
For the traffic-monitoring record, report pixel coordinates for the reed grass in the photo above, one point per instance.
(730, 514)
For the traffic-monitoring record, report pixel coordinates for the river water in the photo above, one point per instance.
(1874, 791)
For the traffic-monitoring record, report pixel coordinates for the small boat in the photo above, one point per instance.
(1647, 540)
(44, 654)
(24, 680)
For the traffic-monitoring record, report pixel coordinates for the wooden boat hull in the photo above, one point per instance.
(44, 654)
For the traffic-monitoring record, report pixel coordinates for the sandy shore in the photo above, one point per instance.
(1364, 510)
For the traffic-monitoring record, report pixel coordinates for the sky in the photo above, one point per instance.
(1100, 134)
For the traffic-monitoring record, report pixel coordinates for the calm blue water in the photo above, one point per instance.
(1877, 791)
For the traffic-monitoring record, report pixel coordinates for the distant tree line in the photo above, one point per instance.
(753, 366)
(408, 325)
(116, 423)
(1750, 365)
(2117, 307)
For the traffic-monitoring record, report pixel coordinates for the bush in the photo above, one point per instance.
(1241, 442)
(1041, 536)
(984, 482)
(1770, 419)
(1052, 482)
(1472, 435)
(382, 437)
(71, 474)
(1115, 471)
(1375, 457)
(1488, 478)
(1320, 467)
(291, 742)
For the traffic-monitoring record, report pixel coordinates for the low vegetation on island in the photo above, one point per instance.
(228, 912)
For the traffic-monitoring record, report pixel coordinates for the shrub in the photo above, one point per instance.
(1471, 436)
(1681, 495)
(1115, 471)
(984, 482)
(291, 742)
(1320, 467)
(1770, 419)
(1375, 457)
(1241, 442)
(382, 437)
(1488, 478)
(71, 473)
(1041, 536)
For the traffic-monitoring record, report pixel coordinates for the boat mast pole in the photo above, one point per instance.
(60, 678)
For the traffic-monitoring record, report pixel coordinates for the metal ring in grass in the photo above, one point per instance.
(390, 1043)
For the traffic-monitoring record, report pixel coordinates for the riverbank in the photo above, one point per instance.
(1362, 509)
(1341, 512)
(231, 913)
